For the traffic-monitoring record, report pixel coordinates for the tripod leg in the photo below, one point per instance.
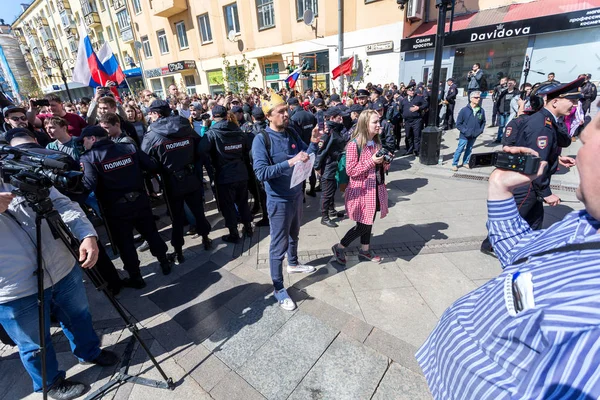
(41, 305)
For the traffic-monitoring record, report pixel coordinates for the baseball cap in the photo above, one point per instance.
(318, 102)
(236, 109)
(293, 101)
(158, 105)
(11, 109)
(334, 97)
(18, 133)
(257, 112)
(332, 112)
(93, 130)
(219, 111)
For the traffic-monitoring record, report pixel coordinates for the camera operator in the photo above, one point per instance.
(76, 123)
(331, 146)
(173, 143)
(229, 148)
(114, 172)
(15, 117)
(64, 293)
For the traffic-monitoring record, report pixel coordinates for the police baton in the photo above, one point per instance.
(166, 195)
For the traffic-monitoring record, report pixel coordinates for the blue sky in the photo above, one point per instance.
(10, 9)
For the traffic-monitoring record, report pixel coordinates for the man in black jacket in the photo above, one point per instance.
(229, 148)
(173, 143)
(450, 101)
(305, 123)
(501, 86)
(413, 122)
(331, 147)
(589, 93)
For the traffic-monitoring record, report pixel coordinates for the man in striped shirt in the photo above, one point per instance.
(534, 331)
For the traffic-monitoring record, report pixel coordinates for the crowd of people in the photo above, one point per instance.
(135, 153)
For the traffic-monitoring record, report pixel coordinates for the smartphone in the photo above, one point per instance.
(41, 103)
(321, 121)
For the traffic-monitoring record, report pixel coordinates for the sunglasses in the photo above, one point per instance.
(18, 118)
(475, 97)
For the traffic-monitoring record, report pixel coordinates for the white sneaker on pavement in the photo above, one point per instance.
(300, 269)
(284, 299)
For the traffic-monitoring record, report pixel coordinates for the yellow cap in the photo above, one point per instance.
(274, 101)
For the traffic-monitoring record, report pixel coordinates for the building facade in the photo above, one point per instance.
(48, 37)
(13, 70)
(559, 36)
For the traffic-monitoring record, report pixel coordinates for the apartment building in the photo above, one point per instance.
(48, 37)
(185, 42)
(12, 64)
(560, 36)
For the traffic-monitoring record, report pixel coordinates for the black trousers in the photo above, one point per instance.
(449, 117)
(106, 268)
(196, 205)
(585, 105)
(232, 195)
(254, 190)
(328, 188)
(121, 229)
(359, 230)
(398, 134)
(494, 113)
(412, 130)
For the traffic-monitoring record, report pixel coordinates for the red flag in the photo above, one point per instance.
(344, 68)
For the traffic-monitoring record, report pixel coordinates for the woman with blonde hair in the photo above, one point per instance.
(366, 193)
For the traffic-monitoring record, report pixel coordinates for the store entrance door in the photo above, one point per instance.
(428, 73)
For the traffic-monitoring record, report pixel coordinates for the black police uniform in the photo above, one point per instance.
(104, 265)
(451, 94)
(394, 115)
(331, 146)
(125, 139)
(114, 172)
(254, 187)
(229, 148)
(305, 122)
(175, 145)
(413, 122)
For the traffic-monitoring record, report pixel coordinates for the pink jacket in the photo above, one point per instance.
(360, 194)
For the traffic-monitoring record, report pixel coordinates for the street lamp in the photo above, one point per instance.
(48, 63)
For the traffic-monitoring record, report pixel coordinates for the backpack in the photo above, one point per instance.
(341, 176)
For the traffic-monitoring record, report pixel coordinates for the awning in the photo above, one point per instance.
(542, 16)
(133, 72)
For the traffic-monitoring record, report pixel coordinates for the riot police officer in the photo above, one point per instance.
(331, 146)
(412, 107)
(172, 142)
(362, 97)
(114, 172)
(229, 148)
(394, 115)
(388, 140)
(450, 102)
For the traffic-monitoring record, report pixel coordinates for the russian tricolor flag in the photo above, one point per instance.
(293, 77)
(110, 63)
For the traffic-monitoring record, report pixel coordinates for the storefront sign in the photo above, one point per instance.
(526, 27)
(382, 46)
(181, 65)
(153, 73)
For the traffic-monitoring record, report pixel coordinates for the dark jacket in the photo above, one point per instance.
(173, 143)
(304, 122)
(474, 80)
(451, 94)
(419, 101)
(229, 150)
(504, 100)
(470, 125)
(331, 147)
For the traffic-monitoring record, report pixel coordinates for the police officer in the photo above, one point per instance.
(542, 133)
(412, 107)
(114, 172)
(302, 119)
(450, 101)
(331, 146)
(238, 112)
(362, 97)
(173, 143)
(394, 115)
(229, 148)
(334, 100)
(355, 110)
(111, 123)
(254, 186)
(388, 140)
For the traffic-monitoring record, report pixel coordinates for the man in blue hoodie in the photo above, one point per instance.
(470, 124)
(274, 153)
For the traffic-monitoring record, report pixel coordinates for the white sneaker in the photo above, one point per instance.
(300, 269)
(284, 299)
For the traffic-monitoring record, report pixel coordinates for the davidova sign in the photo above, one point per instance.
(526, 27)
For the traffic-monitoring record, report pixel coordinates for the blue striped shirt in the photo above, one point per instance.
(551, 351)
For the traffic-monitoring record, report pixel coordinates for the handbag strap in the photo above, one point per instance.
(563, 249)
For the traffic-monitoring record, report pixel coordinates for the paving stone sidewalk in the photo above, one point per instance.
(217, 331)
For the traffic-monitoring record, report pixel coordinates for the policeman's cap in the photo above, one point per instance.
(333, 112)
(356, 108)
(18, 133)
(158, 106)
(362, 93)
(237, 109)
(219, 111)
(12, 109)
(378, 90)
(335, 97)
(450, 80)
(378, 105)
(257, 112)
(93, 130)
(318, 102)
(411, 86)
(571, 90)
(293, 101)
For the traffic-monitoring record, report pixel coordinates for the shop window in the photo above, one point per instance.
(265, 13)
(303, 5)
(232, 21)
(205, 32)
(271, 71)
(215, 81)
(190, 84)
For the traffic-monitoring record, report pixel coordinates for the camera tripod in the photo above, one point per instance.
(35, 188)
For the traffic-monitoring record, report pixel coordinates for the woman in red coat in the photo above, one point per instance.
(366, 193)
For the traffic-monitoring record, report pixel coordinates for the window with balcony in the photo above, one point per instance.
(181, 35)
(123, 19)
(102, 5)
(146, 47)
(232, 21)
(163, 44)
(137, 7)
(72, 46)
(303, 5)
(265, 13)
(205, 32)
(65, 19)
(88, 6)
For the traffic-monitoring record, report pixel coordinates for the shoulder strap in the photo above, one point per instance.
(563, 249)
(267, 139)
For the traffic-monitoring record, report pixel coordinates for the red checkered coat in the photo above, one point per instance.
(360, 194)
